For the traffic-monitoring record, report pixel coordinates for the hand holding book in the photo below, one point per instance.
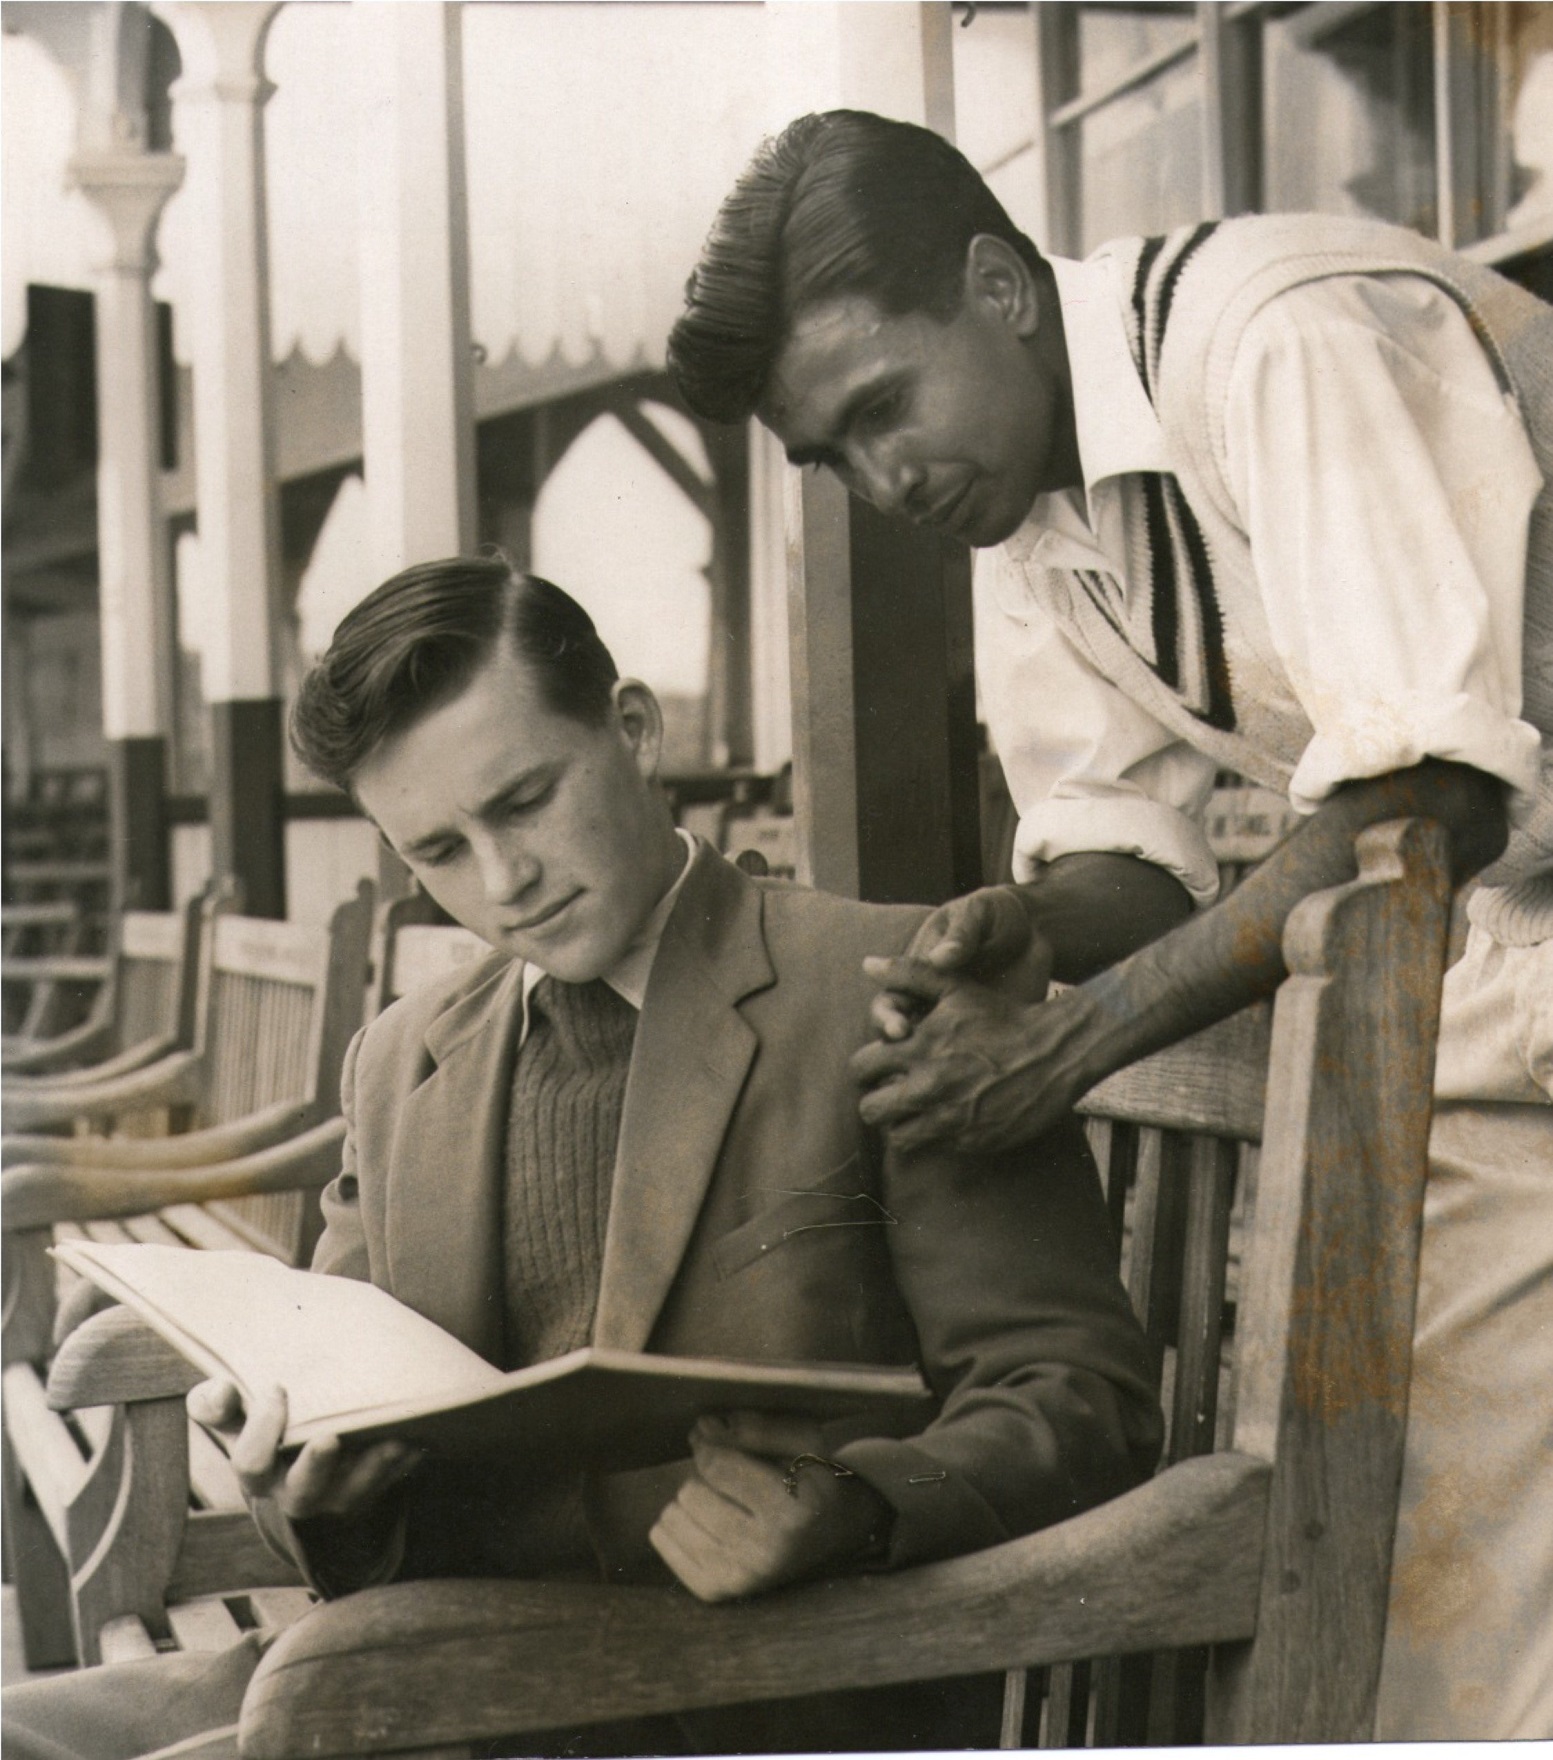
(321, 1479)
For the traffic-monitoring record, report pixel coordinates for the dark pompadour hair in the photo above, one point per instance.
(839, 203)
(415, 642)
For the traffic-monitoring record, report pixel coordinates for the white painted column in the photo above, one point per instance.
(221, 99)
(221, 96)
(417, 364)
(135, 590)
(134, 564)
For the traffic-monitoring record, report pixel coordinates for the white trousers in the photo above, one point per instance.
(1469, 1641)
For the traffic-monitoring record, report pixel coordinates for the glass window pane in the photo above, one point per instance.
(1111, 39)
(1141, 159)
(1350, 112)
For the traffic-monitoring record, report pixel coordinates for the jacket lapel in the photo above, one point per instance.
(693, 1050)
(444, 1209)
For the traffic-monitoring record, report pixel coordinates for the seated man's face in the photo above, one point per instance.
(538, 832)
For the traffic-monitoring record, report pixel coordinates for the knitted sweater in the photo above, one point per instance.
(568, 1093)
(1196, 651)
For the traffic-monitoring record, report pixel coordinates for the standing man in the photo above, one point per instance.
(1271, 497)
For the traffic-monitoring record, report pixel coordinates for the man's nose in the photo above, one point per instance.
(508, 868)
(889, 480)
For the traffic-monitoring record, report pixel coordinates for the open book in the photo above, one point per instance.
(356, 1363)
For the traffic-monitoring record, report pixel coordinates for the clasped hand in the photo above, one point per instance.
(322, 1480)
(970, 1052)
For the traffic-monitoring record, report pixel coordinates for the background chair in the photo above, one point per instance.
(142, 1513)
(144, 1011)
(281, 1002)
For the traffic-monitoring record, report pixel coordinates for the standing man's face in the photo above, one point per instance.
(539, 832)
(956, 424)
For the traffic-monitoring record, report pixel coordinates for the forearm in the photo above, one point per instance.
(1229, 956)
(1096, 908)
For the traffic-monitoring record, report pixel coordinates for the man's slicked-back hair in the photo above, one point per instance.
(415, 643)
(839, 203)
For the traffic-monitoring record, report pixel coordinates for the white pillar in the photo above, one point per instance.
(417, 366)
(894, 57)
(221, 102)
(135, 591)
(221, 97)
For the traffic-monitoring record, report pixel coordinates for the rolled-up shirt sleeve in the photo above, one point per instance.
(1088, 769)
(1386, 482)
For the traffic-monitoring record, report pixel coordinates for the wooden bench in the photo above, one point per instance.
(141, 1506)
(280, 1002)
(144, 1011)
(1266, 1535)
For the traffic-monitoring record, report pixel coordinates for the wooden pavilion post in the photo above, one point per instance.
(884, 736)
(223, 91)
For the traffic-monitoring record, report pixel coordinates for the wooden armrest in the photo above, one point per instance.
(218, 1142)
(422, 1665)
(174, 1081)
(61, 1083)
(1215, 1081)
(116, 1359)
(83, 1044)
(36, 1197)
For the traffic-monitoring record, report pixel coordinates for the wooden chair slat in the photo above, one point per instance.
(275, 1609)
(280, 953)
(114, 1233)
(43, 1446)
(153, 1231)
(205, 1624)
(212, 1478)
(125, 1639)
(1211, 1185)
(156, 936)
(200, 1229)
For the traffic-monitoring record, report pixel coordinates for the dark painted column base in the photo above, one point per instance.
(140, 847)
(247, 802)
(918, 783)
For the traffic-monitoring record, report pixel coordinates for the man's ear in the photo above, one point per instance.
(641, 721)
(1002, 283)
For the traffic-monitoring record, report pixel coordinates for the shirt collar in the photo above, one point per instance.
(1116, 425)
(629, 974)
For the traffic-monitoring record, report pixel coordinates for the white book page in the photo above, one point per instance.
(337, 1346)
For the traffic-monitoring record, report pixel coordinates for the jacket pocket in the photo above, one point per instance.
(839, 1200)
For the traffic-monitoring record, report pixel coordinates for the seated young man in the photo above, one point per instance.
(633, 1125)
